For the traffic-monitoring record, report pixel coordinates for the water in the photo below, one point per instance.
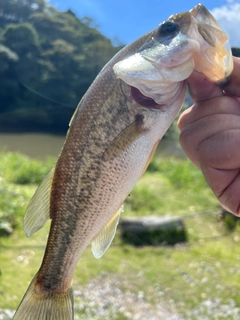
(35, 145)
(40, 146)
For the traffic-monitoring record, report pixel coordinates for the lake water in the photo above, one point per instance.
(32, 144)
(40, 146)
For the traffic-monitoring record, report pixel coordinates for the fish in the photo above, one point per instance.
(112, 137)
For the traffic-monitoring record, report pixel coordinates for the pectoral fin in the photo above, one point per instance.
(38, 210)
(125, 138)
(104, 239)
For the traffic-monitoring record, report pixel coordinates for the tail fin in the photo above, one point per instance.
(50, 306)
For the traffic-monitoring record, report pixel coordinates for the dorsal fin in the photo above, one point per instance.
(103, 240)
(38, 209)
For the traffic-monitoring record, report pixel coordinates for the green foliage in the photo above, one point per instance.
(230, 222)
(17, 174)
(6, 56)
(59, 56)
(8, 82)
(167, 182)
(172, 133)
(12, 207)
(22, 38)
(204, 268)
(180, 173)
(19, 10)
(19, 169)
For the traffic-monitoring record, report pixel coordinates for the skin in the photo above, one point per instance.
(210, 135)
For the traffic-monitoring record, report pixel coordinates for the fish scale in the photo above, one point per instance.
(112, 137)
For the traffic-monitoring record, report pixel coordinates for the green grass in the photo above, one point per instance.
(170, 187)
(19, 169)
(19, 177)
(207, 267)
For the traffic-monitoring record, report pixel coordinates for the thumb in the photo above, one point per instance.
(200, 88)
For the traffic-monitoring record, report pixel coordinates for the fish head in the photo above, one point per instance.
(213, 57)
(183, 43)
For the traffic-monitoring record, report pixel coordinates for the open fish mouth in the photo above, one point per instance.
(183, 43)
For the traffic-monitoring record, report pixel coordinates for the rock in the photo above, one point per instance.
(5, 228)
(6, 314)
(153, 230)
(229, 219)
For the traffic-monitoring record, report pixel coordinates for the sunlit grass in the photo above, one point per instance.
(19, 177)
(184, 276)
(20, 169)
(170, 187)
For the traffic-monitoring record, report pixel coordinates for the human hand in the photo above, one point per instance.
(210, 135)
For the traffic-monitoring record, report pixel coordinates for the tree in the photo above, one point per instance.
(17, 11)
(22, 38)
(8, 83)
(59, 55)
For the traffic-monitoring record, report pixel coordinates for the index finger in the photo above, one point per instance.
(200, 88)
(233, 87)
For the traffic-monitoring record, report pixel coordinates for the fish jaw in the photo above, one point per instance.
(185, 42)
(214, 59)
(159, 73)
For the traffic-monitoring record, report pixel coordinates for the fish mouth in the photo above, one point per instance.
(155, 75)
(183, 43)
(158, 99)
(142, 99)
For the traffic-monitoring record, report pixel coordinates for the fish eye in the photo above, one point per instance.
(167, 28)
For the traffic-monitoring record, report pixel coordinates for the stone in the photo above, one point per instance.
(155, 231)
(5, 228)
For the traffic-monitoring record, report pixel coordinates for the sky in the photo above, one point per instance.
(128, 20)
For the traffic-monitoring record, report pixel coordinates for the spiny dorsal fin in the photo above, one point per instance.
(38, 209)
(104, 239)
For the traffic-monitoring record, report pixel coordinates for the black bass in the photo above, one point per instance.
(112, 137)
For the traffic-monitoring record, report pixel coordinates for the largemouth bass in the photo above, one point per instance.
(112, 137)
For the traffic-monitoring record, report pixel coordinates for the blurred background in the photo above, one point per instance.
(48, 60)
(183, 261)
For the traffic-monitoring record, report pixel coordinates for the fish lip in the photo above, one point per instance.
(157, 61)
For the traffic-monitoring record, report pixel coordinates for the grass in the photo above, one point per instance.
(170, 187)
(19, 178)
(20, 170)
(184, 276)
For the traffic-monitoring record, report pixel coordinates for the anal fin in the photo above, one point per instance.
(38, 209)
(103, 240)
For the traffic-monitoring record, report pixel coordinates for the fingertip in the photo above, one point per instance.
(233, 87)
(181, 121)
(201, 88)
